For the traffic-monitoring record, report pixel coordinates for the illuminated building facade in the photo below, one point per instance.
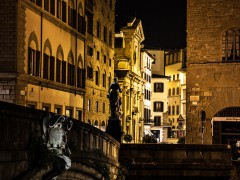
(128, 70)
(213, 55)
(175, 64)
(159, 98)
(42, 55)
(100, 15)
(146, 61)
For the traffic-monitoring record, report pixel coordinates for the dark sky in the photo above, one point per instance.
(164, 21)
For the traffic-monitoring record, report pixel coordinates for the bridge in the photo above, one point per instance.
(96, 155)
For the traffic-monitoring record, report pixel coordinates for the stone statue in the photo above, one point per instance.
(115, 100)
(55, 128)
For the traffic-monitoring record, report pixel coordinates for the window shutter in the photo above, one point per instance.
(64, 6)
(64, 72)
(52, 64)
(37, 63)
(52, 7)
(45, 66)
(30, 60)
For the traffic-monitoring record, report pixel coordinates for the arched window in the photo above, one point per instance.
(231, 45)
(173, 91)
(89, 122)
(103, 126)
(33, 56)
(96, 124)
(48, 62)
(97, 73)
(104, 79)
(71, 14)
(81, 20)
(71, 69)
(60, 72)
(80, 73)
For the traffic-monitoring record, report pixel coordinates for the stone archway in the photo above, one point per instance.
(226, 126)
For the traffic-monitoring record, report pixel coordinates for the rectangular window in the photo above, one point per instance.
(89, 51)
(169, 110)
(157, 120)
(64, 11)
(109, 81)
(97, 78)
(69, 112)
(105, 59)
(81, 24)
(178, 91)
(52, 7)
(169, 92)
(58, 110)
(105, 34)
(39, 3)
(64, 64)
(118, 42)
(71, 72)
(104, 106)
(89, 72)
(80, 77)
(158, 87)
(97, 106)
(59, 9)
(104, 80)
(46, 5)
(79, 115)
(173, 110)
(46, 107)
(89, 22)
(72, 17)
(89, 105)
(45, 66)
(158, 106)
(98, 55)
(52, 64)
(177, 110)
(33, 62)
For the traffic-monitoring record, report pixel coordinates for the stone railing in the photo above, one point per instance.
(94, 152)
(175, 160)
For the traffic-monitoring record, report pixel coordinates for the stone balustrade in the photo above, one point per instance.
(92, 149)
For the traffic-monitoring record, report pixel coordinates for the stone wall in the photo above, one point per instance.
(175, 161)
(211, 83)
(94, 153)
(8, 36)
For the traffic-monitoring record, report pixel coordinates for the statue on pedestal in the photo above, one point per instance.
(115, 100)
(114, 123)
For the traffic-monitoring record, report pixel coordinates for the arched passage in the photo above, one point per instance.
(226, 126)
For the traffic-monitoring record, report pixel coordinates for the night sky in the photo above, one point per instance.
(164, 21)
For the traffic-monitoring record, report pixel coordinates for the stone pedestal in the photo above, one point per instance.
(114, 128)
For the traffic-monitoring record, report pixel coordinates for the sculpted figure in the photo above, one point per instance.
(113, 95)
(55, 130)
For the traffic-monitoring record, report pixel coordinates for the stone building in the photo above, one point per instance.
(42, 54)
(160, 126)
(128, 70)
(213, 84)
(146, 60)
(100, 15)
(175, 68)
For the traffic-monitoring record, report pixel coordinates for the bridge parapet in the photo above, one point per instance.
(94, 153)
(175, 160)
